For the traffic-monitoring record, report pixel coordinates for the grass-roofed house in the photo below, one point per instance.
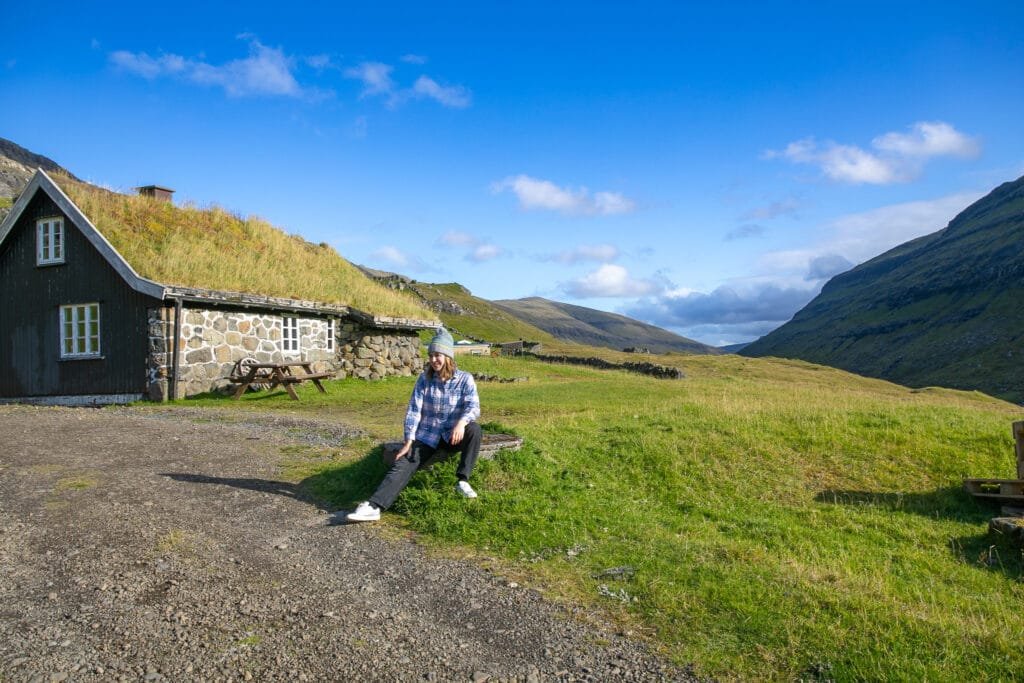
(107, 297)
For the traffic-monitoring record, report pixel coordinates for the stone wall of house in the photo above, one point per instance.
(372, 354)
(214, 340)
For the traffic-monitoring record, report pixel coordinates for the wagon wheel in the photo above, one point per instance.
(242, 369)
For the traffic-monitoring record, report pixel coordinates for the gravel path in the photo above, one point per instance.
(135, 548)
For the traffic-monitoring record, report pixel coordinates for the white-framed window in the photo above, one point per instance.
(49, 241)
(290, 340)
(79, 330)
(330, 334)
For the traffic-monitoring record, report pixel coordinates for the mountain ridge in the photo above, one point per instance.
(589, 326)
(941, 309)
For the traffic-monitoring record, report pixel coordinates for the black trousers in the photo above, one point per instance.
(420, 456)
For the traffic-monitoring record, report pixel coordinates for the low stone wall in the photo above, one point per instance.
(214, 340)
(644, 368)
(372, 354)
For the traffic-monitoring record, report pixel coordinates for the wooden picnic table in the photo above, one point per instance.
(280, 374)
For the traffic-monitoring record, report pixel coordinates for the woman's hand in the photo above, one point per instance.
(406, 447)
(458, 433)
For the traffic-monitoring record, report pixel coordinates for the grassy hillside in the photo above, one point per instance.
(779, 520)
(598, 328)
(942, 310)
(478, 318)
(211, 248)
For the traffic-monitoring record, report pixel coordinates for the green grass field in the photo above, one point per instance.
(781, 520)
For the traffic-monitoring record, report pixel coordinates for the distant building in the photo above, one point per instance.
(467, 347)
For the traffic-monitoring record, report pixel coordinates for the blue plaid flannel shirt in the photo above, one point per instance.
(436, 406)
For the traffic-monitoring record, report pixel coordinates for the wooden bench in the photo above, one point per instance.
(490, 444)
(1008, 492)
(279, 374)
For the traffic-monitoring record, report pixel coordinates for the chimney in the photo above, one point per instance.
(156, 192)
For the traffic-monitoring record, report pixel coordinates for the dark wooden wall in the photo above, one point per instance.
(30, 301)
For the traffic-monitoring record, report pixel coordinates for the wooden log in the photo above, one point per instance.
(1018, 438)
(489, 446)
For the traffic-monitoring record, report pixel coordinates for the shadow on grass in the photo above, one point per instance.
(949, 502)
(986, 550)
(337, 488)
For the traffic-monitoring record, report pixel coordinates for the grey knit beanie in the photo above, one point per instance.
(442, 343)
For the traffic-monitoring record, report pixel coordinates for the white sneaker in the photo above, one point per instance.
(465, 489)
(364, 513)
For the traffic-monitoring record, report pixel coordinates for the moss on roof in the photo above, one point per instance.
(215, 249)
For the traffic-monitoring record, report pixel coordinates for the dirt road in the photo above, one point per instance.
(142, 545)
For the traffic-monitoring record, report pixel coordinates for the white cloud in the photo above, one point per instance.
(897, 157)
(477, 250)
(755, 302)
(826, 266)
(786, 207)
(744, 232)
(376, 78)
(601, 253)
(266, 71)
(358, 128)
(455, 238)
(534, 193)
(609, 280)
(929, 139)
(141, 64)
(414, 59)
(484, 252)
(392, 255)
(319, 62)
(450, 96)
(861, 236)
(745, 309)
(377, 81)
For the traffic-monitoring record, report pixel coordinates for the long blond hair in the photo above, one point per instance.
(447, 370)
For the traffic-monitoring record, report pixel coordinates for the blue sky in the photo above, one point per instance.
(705, 167)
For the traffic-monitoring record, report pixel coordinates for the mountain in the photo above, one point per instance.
(470, 316)
(17, 165)
(944, 309)
(598, 328)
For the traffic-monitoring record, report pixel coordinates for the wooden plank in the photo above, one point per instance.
(1006, 487)
(1000, 498)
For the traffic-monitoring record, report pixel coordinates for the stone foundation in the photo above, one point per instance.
(213, 340)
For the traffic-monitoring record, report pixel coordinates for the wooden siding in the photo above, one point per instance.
(30, 301)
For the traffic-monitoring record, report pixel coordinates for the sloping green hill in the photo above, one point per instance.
(762, 519)
(598, 328)
(476, 318)
(944, 309)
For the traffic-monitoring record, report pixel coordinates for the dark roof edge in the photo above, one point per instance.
(41, 181)
(389, 322)
(244, 300)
